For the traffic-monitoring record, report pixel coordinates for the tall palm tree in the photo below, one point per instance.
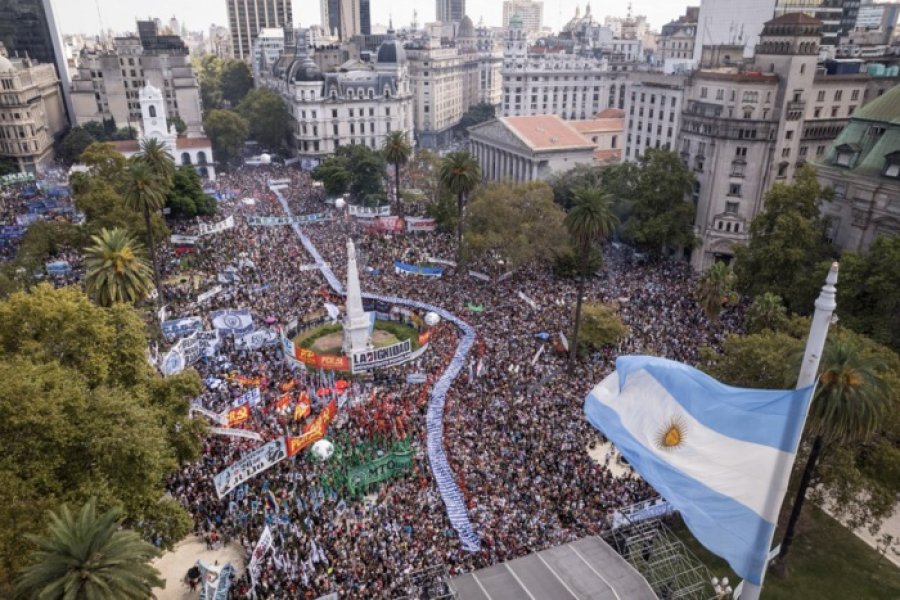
(155, 154)
(397, 151)
(144, 193)
(460, 174)
(851, 400)
(590, 222)
(766, 312)
(116, 268)
(89, 557)
(715, 289)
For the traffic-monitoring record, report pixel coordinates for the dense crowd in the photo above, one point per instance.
(515, 432)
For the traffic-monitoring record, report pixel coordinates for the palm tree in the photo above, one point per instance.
(851, 400)
(89, 557)
(766, 312)
(460, 174)
(144, 193)
(397, 151)
(590, 221)
(157, 157)
(715, 289)
(116, 268)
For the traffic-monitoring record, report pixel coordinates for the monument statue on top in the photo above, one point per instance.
(356, 321)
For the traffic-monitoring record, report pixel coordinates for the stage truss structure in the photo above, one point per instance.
(430, 583)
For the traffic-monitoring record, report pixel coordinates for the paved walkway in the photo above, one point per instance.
(174, 565)
(891, 526)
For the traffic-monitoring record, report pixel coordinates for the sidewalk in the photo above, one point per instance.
(890, 525)
(174, 565)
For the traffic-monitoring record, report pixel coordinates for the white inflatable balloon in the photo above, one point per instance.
(340, 204)
(323, 449)
(265, 158)
(432, 319)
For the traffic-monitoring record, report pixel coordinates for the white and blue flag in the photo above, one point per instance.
(715, 452)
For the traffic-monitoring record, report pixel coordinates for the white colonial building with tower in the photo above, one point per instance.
(186, 151)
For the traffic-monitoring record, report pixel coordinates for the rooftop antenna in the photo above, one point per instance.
(100, 18)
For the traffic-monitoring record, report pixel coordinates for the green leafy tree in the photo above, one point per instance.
(209, 74)
(104, 208)
(601, 326)
(178, 123)
(766, 312)
(124, 133)
(186, 198)
(268, 117)
(479, 113)
(569, 263)
(580, 176)
(715, 289)
(869, 295)
(155, 155)
(228, 131)
(334, 175)
(235, 81)
(516, 224)
(97, 130)
(590, 222)
(89, 557)
(105, 162)
(460, 174)
(116, 269)
(851, 401)
(144, 194)
(356, 169)
(8, 167)
(73, 144)
(787, 244)
(661, 218)
(87, 417)
(397, 152)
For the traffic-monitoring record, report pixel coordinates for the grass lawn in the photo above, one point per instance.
(826, 562)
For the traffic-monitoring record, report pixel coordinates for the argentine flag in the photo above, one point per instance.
(715, 452)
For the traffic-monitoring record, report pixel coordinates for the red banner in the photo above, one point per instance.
(424, 337)
(238, 415)
(302, 410)
(313, 432)
(287, 385)
(283, 401)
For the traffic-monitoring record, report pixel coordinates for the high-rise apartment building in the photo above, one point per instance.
(365, 17)
(28, 28)
(530, 11)
(449, 11)
(346, 18)
(247, 18)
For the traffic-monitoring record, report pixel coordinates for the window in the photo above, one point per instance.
(854, 95)
(821, 96)
(838, 94)
(789, 134)
(846, 155)
(817, 112)
(732, 207)
(333, 113)
(782, 170)
(703, 92)
(152, 111)
(892, 165)
(741, 151)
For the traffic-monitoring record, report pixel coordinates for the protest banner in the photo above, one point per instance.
(237, 415)
(209, 294)
(420, 224)
(258, 221)
(214, 417)
(259, 552)
(387, 466)
(181, 327)
(380, 357)
(223, 225)
(241, 433)
(232, 321)
(368, 211)
(252, 463)
(402, 268)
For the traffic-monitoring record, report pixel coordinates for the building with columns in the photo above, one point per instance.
(523, 149)
(194, 151)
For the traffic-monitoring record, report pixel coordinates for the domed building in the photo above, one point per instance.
(334, 109)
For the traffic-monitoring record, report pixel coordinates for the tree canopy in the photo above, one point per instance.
(227, 130)
(517, 224)
(235, 81)
(479, 113)
(86, 416)
(186, 198)
(600, 326)
(356, 169)
(787, 244)
(267, 116)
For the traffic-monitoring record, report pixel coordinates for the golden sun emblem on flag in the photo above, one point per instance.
(671, 435)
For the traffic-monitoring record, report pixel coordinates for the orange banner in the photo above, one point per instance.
(424, 337)
(238, 415)
(302, 409)
(295, 444)
(283, 401)
(287, 385)
(320, 423)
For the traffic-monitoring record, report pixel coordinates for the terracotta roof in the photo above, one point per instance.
(608, 155)
(610, 113)
(545, 132)
(197, 142)
(598, 125)
(126, 146)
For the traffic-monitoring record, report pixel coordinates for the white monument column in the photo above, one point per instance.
(356, 321)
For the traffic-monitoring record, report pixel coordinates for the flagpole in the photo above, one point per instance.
(809, 368)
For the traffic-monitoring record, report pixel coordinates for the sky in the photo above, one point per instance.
(84, 16)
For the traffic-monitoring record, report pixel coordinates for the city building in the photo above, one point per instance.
(530, 11)
(605, 131)
(485, 46)
(450, 11)
(194, 151)
(32, 112)
(246, 18)
(832, 14)
(540, 80)
(523, 149)
(218, 42)
(675, 44)
(330, 110)
(731, 22)
(267, 49)
(652, 112)
(745, 129)
(862, 166)
(29, 29)
(365, 17)
(108, 81)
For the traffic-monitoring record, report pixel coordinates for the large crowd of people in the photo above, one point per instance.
(514, 432)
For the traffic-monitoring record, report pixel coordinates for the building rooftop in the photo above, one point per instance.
(885, 108)
(545, 132)
(599, 125)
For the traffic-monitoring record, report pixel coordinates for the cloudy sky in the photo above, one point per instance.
(81, 16)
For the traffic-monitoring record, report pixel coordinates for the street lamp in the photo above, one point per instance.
(721, 588)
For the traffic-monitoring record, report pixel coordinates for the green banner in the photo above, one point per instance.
(387, 466)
